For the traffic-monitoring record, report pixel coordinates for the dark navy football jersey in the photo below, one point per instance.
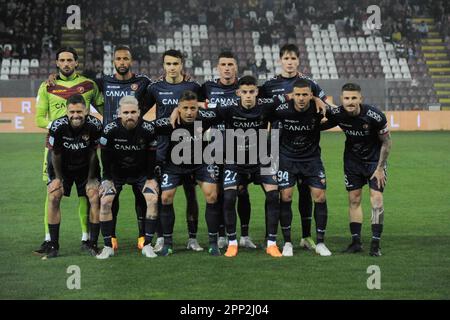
(126, 153)
(114, 89)
(165, 95)
(192, 134)
(75, 145)
(280, 86)
(238, 117)
(361, 131)
(299, 131)
(219, 95)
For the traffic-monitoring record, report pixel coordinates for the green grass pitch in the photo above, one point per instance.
(415, 244)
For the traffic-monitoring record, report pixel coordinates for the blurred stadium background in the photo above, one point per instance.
(404, 68)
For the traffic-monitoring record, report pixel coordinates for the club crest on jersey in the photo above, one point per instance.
(374, 115)
(85, 137)
(365, 126)
(80, 90)
(134, 86)
(213, 171)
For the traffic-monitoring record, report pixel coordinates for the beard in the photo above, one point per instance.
(76, 122)
(130, 124)
(122, 72)
(67, 73)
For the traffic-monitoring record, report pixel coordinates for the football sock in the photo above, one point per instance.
(54, 234)
(191, 202)
(244, 209)
(94, 230)
(141, 208)
(115, 212)
(265, 220)
(150, 227)
(273, 213)
(286, 219)
(83, 212)
(192, 228)
(167, 222)
(212, 221)
(47, 233)
(377, 230)
(221, 215)
(321, 217)
(229, 207)
(106, 227)
(305, 209)
(159, 230)
(355, 230)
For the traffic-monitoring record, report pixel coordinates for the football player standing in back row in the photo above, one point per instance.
(50, 105)
(246, 165)
(283, 84)
(367, 148)
(222, 92)
(114, 87)
(165, 94)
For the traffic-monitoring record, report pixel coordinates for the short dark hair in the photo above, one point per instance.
(123, 47)
(188, 95)
(351, 87)
(247, 81)
(75, 99)
(227, 54)
(289, 48)
(67, 49)
(302, 83)
(173, 53)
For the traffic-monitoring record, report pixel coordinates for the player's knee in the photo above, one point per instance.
(355, 202)
(354, 199)
(93, 196)
(320, 197)
(286, 197)
(106, 203)
(91, 193)
(167, 197)
(55, 197)
(211, 196)
(151, 199)
(376, 200)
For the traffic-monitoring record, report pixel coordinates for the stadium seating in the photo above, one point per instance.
(322, 47)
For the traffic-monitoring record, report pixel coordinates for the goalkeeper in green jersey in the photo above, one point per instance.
(51, 105)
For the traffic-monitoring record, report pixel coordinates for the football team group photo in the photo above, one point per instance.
(307, 141)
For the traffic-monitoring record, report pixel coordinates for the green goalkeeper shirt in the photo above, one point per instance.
(51, 101)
